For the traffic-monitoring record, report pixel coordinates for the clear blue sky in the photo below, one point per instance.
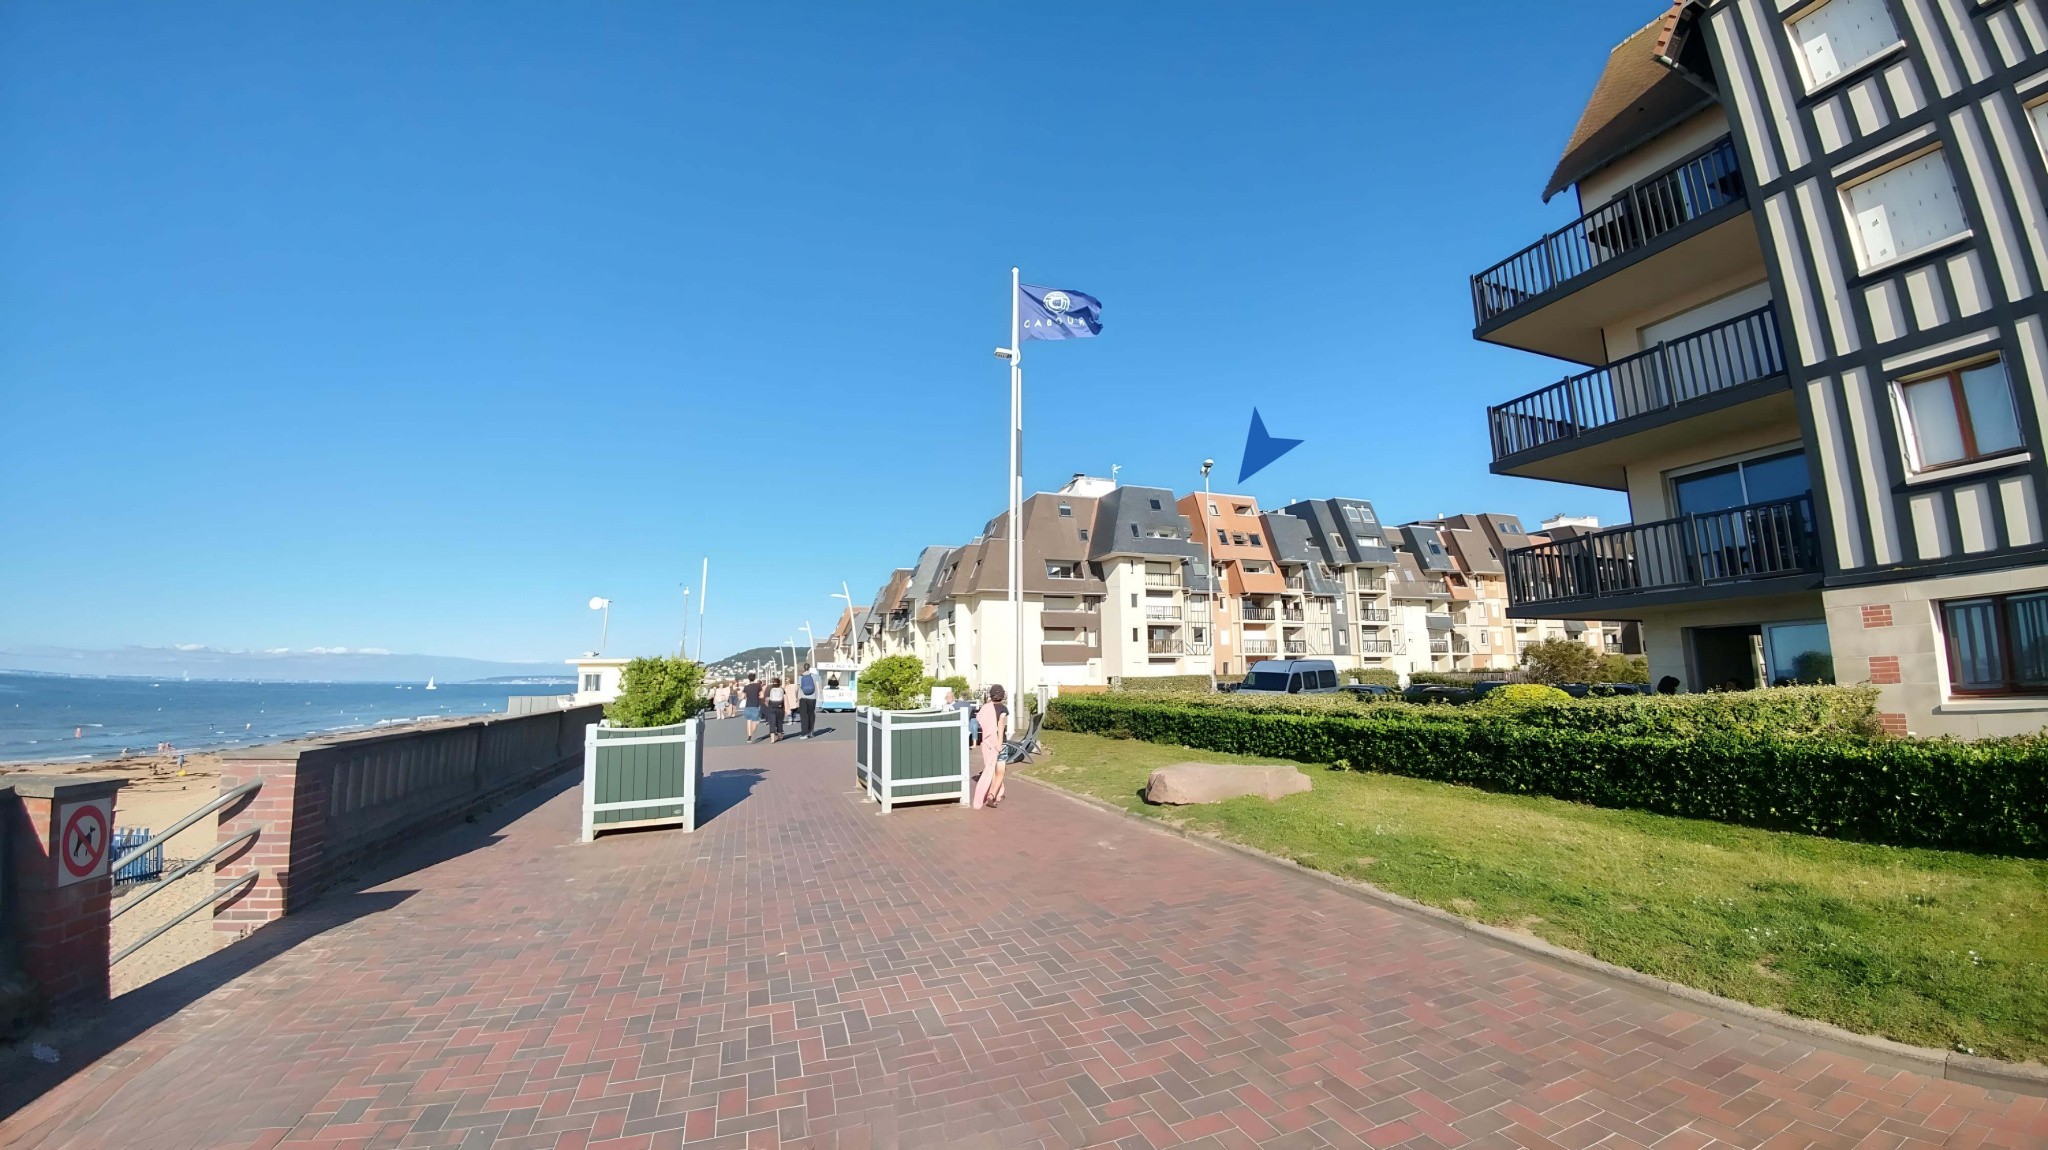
(416, 325)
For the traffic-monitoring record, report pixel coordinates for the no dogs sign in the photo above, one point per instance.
(85, 833)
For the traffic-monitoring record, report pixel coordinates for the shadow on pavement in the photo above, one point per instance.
(83, 1039)
(724, 790)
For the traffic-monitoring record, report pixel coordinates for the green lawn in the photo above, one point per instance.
(1932, 947)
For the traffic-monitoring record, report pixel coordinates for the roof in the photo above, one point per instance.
(1637, 97)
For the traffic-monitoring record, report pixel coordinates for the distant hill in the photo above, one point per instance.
(739, 663)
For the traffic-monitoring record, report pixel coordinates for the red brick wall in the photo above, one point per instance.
(1884, 669)
(63, 931)
(1877, 615)
(289, 811)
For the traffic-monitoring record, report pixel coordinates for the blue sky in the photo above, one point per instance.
(414, 326)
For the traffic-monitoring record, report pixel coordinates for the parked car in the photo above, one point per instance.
(1483, 689)
(1368, 690)
(1291, 677)
(1437, 693)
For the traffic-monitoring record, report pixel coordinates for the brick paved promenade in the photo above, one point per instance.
(804, 971)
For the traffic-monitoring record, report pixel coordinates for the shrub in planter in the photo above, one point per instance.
(892, 683)
(657, 693)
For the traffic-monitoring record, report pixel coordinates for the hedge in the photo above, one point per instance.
(1166, 683)
(1798, 711)
(1986, 796)
(1374, 676)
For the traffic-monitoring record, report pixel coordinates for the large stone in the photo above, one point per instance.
(1185, 783)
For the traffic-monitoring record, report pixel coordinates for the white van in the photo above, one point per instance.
(1291, 677)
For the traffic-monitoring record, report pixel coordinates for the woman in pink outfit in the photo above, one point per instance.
(994, 718)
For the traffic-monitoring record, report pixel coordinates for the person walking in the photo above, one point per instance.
(751, 694)
(807, 702)
(777, 703)
(994, 719)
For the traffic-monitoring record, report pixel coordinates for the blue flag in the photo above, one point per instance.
(1053, 313)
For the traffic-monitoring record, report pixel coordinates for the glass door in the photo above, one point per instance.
(1743, 523)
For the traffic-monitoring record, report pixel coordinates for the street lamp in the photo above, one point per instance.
(811, 643)
(600, 603)
(1209, 557)
(846, 593)
(683, 643)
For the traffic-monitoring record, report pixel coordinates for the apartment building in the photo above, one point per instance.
(1250, 587)
(1804, 301)
(1157, 593)
(1350, 545)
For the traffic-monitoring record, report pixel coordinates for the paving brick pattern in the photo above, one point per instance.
(804, 971)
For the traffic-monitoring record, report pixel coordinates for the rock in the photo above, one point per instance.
(1184, 783)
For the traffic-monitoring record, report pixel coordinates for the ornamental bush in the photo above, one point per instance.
(1516, 695)
(657, 693)
(1163, 683)
(892, 683)
(1985, 796)
(1374, 677)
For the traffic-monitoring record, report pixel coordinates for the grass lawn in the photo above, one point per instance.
(1932, 947)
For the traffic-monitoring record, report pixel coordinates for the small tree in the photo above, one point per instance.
(893, 683)
(1562, 661)
(658, 692)
(1625, 669)
(958, 683)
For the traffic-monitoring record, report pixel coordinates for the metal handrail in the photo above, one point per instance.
(164, 883)
(1754, 541)
(1674, 372)
(182, 915)
(1696, 186)
(161, 837)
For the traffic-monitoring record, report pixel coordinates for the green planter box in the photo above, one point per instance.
(641, 777)
(912, 756)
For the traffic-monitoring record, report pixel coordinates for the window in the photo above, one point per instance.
(593, 682)
(1155, 505)
(1134, 630)
(2039, 114)
(1767, 479)
(1242, 508)
(1837, 36)
(1254, 537)
(1066, 511)
(1134, 598)
(1237, 538)
(1798, 653)
(1084, 535)
(1904, 210)
(1055, 569)
(1959, 415)
(1212, 507)
(1997, 645)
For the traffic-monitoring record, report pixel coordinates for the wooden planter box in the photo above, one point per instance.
(912, 756)
(641, 777)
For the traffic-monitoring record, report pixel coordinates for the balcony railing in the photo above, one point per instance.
(1260, 614)
(1163, 647)
(1759, 541)
(1295, 646)
(1169, 614)
(1376, 647)
(1294, 616)
(1439, 646)
(1375, 615)
(1297, 582)
(1260, 647)
(1743, 350)
(1658, 205)
(1156, 579)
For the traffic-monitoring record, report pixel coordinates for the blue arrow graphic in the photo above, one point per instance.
(1261, 448)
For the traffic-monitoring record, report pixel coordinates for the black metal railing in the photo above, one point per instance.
(1759, 541)
(1661, 204)
(1676, 372)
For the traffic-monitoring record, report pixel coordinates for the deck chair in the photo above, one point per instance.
(1020, 749)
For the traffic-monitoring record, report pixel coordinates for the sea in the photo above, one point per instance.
(64, 718)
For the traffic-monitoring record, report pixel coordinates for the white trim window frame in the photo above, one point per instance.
(1823, 34)
(1971, 406)
(1903, 210)
(2037, 114)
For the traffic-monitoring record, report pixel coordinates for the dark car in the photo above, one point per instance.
(1367, 690)
(1481, 690)
(1437, 693)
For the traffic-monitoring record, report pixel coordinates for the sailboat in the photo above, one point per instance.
(430, 684)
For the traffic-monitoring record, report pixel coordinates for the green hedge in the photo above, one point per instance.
(1374, 676)
(1987, 796)
(1157, 683)
(1797, 711)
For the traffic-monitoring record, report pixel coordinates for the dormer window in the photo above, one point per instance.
(1155, 505)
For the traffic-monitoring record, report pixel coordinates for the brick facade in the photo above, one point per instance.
(1884, 669)
(61, 931)
(1877, 615)
(289, 814)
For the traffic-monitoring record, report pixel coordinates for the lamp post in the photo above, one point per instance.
(600, 603)
(1209, 557)
(846, 593)
(683, 643)
(811, 643)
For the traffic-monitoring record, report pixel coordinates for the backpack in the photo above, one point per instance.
(808, 685)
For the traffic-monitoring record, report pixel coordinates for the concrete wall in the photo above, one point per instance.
(1889, 635)
(1664, 631)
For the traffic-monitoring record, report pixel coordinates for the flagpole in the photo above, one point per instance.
(1016, 489)
(703, 596)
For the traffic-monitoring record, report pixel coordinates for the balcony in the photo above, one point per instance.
(1259, 614)
(1293, 615)
(1757, 549)
(1375, 615)
(1439, 646)
(1163, 647)
(1584, 428)
(1375, 647)
(1162, 614)
(1156, 579)
(1683, 228)
(1260, 647)
(1295, 646)
(1436, 622)
(1297, 582)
